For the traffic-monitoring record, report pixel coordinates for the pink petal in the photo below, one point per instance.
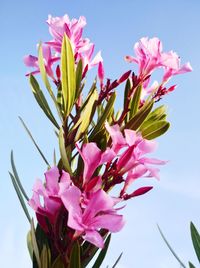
(118, 140)
(71, 200)
(94, 237)
(91, 156)
(52, 177)
(112, 222)
(31, 61)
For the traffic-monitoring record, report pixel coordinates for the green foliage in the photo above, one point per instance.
(155, 129)
(68, 77)
(117, 261)
(86, 114)
(105, 113)
(136, 121)
(195, 240)
(34, 142)
(171, 249)
(135, 101)
(63, 152)
(46, 80)
(41, 100)
(75, 260)
(102, 253)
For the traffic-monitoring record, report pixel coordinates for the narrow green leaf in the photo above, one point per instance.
(63, 152)
(102, 253)
(191, 265)
(18, 192)
(54, 158)
(170, 248)
(68, 77)
(79, 70)
(195, 239)
(126, 91)
(34, 245)
(46, 80)
(135, 102)
(45, 257)
(41, 100)
(75, 260)
(155, 130)
(34, 142)
(86, 115)
(105, 114)
(136, 121)
(16, 176)
(29, 244)
(117, 261)
(58, 263)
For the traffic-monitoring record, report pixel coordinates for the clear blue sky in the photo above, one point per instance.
(114, 26)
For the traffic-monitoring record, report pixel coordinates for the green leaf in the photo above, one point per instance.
(195, 240)
(45, 257)
(16, 176)
(34, 245)
(118, 259)
(105, 114)
(75, 260)
(191, 265)
(156, 115)
(136, 121)
(155, 130)
(68, 77)
(34, 142)
(58, 263)
(41, 100)
(63, 152)
(102, 253)
(126, 91)
(79, 70)
(45, 79)
(18, 192)
(170, 248)
(135, 102)
(29, 244)
(86, 115)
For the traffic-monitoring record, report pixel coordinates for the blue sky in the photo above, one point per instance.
(114, 26)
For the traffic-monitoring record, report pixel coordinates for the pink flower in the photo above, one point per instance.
(83, 49)
(99, 213)
(171, 64)
(46, 199)
(132, 159)
(49, 60)
(93, 157)
(58, 26)
(149, 56)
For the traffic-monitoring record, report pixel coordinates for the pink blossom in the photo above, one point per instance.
(82, 47)
(149, 56)
(58, 26)
(49, 60)
(132, 159)
(46, 199)
(171, 64)
(99, 213)
(93, 157)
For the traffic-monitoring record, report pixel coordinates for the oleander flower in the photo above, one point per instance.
(49, 60)
(149, 57)
(46, 198)
(99, 213)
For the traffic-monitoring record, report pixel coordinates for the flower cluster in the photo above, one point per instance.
(100, 148)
